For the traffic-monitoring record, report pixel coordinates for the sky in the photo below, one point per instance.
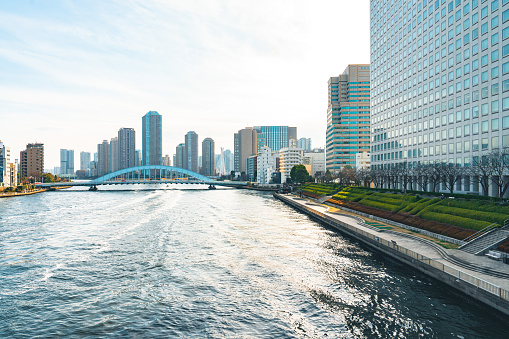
(73, 72)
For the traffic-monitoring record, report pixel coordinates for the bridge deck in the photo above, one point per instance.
(97, 183)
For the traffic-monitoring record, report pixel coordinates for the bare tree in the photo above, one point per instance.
(499, 160)
(451, 173)
(435, 176)
(481, 172)
(422, 173)
(377, 177)
(364, 176)
(404, 175)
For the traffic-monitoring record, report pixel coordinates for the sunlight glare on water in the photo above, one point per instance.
(206, 263)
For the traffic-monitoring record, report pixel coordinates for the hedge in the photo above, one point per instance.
(412, 220)
(491, 217)
(454, 220)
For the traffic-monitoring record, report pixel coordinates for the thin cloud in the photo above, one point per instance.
(209, 66)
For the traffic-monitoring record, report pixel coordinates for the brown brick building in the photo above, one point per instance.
(32, 161)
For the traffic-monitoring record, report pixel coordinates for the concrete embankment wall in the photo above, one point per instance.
(454, 278)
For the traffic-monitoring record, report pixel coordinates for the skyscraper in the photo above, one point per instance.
(32, 161)
(126, 148)
(228, 161)
(277, 137)
(66, 161)
(439, 80)
(245, 145)
(114, 155)
(137, 158)
(166, 160)
(191, 151)
(103, 158)
(347, 117)
(304, 144)
(152, 140)
(179, 155)
(208, 157)
(84, 161)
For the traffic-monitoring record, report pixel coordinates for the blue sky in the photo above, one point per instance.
(73, 72)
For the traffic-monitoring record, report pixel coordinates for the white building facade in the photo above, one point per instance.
(266, 165)
(8, 171)
(289, 157)
(363, 161)
(314, 161)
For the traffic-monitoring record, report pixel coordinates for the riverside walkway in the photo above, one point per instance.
(480, 277)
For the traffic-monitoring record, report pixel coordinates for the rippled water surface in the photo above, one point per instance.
(207, 264)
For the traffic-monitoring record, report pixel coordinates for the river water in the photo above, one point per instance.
(197, 263)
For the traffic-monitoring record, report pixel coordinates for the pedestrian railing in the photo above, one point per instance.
(460, 275)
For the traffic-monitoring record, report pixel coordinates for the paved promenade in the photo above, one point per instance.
(497, 273)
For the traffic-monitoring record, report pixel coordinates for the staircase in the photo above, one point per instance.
(323, 199)
(487, 241)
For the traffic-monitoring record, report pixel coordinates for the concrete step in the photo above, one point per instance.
(486, 242)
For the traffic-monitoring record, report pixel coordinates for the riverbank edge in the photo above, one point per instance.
(41, 190)
(467, 289)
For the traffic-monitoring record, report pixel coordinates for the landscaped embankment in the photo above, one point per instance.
(455, 218)
(469, 284)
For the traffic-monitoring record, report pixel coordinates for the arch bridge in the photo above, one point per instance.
(148, 174)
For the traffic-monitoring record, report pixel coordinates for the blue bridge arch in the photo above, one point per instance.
(148, 174)
(153, 171)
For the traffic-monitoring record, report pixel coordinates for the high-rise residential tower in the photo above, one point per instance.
(114, 155)
(152, 139)
(84, 161)
(439, 77)
(32, 161)
(191, 151)
(66, 161)
(304, 144)
(103, 158)
(179, 155)
(347, 117)
(208, 157)
(245, 145)
(126, 148)
(167, 160)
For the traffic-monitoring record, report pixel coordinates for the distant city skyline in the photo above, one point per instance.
(73, 73)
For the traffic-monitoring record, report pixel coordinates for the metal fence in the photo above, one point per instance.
(460, 275)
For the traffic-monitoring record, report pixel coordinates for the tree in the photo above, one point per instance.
(435, 176)
(423, 175)
(48, 177)
(328, 176)
(378, 177)
(499, 160)
(451, 173)
(299, 173)
(364, 176)
(404, 174)
(481, 172)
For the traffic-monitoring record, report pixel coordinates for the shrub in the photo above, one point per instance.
(454, 220)
(491, 217)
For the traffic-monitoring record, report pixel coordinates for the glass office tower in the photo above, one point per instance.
(439, 82)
